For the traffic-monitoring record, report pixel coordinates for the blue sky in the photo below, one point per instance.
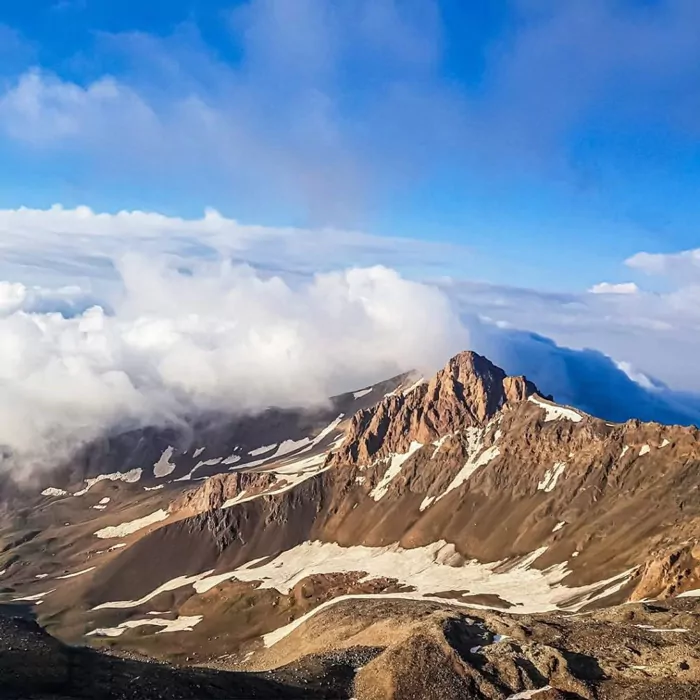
(533, 132)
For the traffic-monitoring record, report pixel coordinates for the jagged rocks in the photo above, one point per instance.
(670, 573)
(468, 391)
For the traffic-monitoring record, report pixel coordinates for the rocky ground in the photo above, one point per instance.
(388, 649)
(36, 666)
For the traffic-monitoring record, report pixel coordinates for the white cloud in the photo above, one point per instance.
(218, 336)
(12, 296)
(43, 247)
(683, 266)
(608, 288)
(275, 122)
(291, 121)
(636, 376)
(645, 329)
(165, 314)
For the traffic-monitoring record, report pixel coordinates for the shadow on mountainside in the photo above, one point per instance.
(34, 665)
(586, 379)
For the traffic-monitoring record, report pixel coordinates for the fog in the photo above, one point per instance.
(174, 341)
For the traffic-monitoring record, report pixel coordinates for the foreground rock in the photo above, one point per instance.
(393, 649)
(35, 666)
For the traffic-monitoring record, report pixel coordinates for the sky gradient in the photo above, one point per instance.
(531, 131)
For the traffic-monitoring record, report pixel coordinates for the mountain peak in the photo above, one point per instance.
(468, 391)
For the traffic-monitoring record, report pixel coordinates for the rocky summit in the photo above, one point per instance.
(454, 536)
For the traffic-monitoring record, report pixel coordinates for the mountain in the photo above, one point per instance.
(454, 536)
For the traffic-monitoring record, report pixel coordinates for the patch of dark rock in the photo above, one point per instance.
(35, 666)
(489, 599)
(20, 540)
(583, 667)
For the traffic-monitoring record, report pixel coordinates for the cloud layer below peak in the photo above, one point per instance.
(213, 336)
(114, 320)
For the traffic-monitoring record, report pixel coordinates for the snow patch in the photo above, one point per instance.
(306, 444)
(558, 526)
(476, 459)
(261, 450)
(328, 429)
(164, 466)
(436, 566)
(299, 446)
(288, 446)
(77, 573)
(239, 498)
(624, 451)
(130, 477)
(363, 392)
(153, 488)
(439, 443)
(527, 694)
(644, 449)
(198, 452)
(51, 491)
(426, 503)
(288, 477)
(556, 412)
(104, 501)
(393, 470)
(232, 459)
(529, 590)
(414, 386)
(179, 624)
(173, 584)
(199, 465)
(426, 569)
(32, 598)
(665, 443)
(132, 526)
(551, 476)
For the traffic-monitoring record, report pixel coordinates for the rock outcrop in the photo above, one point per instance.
(467, 392)
(670, 573)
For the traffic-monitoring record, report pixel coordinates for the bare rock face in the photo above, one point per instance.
(467, 392)
(670, 573)
(219, 489)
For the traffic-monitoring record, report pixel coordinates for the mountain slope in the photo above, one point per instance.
(468, 490)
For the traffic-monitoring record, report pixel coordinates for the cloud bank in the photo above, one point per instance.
(585, 378)
(213, 336)
(166, 317)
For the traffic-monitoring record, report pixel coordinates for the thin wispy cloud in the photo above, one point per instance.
(294, 117)
(45, 246)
